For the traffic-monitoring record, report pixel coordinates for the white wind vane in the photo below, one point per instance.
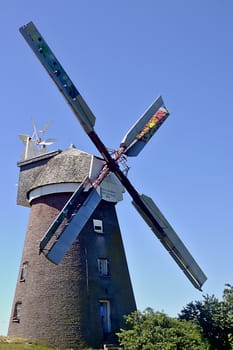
(35, 145)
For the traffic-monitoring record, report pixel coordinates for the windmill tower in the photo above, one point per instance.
(80, 302)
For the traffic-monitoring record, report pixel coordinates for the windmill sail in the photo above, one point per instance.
(65, 213)
(73, 228)
(142, 131)
(59, 76)
(172, 242)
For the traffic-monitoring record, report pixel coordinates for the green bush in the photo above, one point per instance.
(151, 330)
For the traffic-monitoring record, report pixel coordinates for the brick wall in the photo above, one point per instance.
(60, 304)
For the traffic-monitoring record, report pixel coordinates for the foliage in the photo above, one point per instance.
(214, 317)
(151, 330)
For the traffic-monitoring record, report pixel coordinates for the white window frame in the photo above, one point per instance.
(23, 272)
(98, 226)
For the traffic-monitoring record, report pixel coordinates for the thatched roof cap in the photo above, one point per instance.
(71, 165)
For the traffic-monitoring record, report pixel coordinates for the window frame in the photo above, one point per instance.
(23, 272)
(17, 311)
(98, 226)
(103, 267)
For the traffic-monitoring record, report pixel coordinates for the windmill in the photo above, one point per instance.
(104, 183)
(133, 142)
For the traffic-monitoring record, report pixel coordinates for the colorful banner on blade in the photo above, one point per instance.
(147, 132)
(153, 124)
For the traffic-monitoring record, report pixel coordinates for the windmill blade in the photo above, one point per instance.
(67, 211)
(59, 76)
(162, 229)
(142, 131)
(64, 84)
(170, 240)
(72, 229)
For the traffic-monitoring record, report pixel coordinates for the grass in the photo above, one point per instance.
(14, 343)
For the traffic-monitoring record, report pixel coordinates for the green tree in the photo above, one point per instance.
(151, 330)
(214, 317)
(227, 310)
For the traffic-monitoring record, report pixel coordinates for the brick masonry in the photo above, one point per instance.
(60, 304)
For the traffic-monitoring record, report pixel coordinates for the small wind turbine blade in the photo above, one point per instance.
(47, 125)
(142, 131)
(170, 241)
(35, 131)
(47, 142)
(50, 140)
(59, 76)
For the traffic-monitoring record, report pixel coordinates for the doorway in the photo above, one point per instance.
(104, 311)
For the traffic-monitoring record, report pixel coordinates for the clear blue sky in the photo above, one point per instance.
(121, 55)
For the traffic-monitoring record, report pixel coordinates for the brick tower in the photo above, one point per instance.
(82, 301)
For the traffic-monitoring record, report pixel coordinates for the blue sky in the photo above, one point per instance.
(121, 55)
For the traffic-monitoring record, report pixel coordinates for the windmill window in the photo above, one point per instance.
(103, 266)
(17, 312)
(23, 273)
(98, 226)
